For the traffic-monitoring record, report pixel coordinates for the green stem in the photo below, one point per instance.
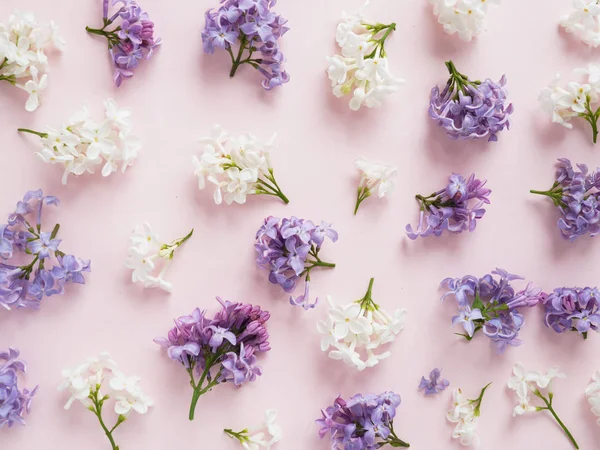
(560, 422)
(97, 31)
(320, 264)
(37, 133)
(198, 389)
(237, 62)
(274, 190)
(363, 193)
(185, 238)
(394, 440)
(98, 412)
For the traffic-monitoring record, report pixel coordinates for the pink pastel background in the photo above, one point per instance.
(176, 98)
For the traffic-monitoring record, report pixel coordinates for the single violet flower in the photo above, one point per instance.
(435, 384)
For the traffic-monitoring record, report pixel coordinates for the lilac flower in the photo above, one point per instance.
(573, 309)
(576, 194)
(470, 109)
(455, 209)
(49, 270)
(490, 305)
(363, 422)
(221, 349)
(244, 28)
(435, 384)
(14, 403)
(289, 249)
(129, 42)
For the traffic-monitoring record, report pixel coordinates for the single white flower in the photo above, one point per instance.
(465, 414)
(265, 436)
(594, 387)
(375, 178)
(34, 88)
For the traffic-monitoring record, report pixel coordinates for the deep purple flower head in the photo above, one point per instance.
(470, 109)
(49, 269)
(435, 384)
(250, 30)
(573, 309)
(490, 304)
(289, 249)
(362, 422)
(455, 209)
(14, 403)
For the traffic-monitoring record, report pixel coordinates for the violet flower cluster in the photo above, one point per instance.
(363, 422)
(249, 31)
(492, 306)
(14, 403)
(456, 208)
(289, 250)
(221, 349)
(131, 41)
(573, 309)
(470, 109)
(24, 286)
(576, 193)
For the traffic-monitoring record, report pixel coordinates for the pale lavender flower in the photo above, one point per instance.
(14, 402)
(573, 309)
(435, 384)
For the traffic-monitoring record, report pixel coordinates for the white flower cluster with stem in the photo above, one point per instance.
(362, 69)
(527, 383)
(23, 61)
(375, 178)
(575, 99)
(82, 144)
(96, 381)
(147, 252)
(465, 414)
(463, 17)
(265, 436)
(584, 21)
(357, 330)
(237, 166)
(592, 393)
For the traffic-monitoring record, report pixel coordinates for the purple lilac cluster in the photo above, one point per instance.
(491, 305)
(25, 285)
(221, 349)
(573, 309)
(14, 403)
(456, 208)
(435, 384)
(131, 41)
(289, 249)
(576, 193)
(363, 422)
(252, 27)
(470, 109)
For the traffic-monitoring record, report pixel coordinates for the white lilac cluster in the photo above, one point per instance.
(147, 252)
(375, 178)
(265, 436)
(82, 144)
(592, 393)
(362, 69)
(575, 99)
(237, 166)
(465, 414)
(584, 21)
(463, 17)
(23, 61)
(357, 330)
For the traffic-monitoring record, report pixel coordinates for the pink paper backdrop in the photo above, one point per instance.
(176, 98)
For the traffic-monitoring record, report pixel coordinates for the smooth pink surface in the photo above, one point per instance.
(176, 98)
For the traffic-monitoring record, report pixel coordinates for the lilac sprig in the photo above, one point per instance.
(576, 193)
(573, 309)
(492, 306)
(363, 422)
(470, 109)
(456, 208)
(221, 349)
(14, 403)
(249, 31)
(24, 286)
(131, 41)
(289, 250)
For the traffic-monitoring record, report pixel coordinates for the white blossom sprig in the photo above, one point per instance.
(265, 436)
(465, 413)
(525, 383)
(466, 18)
(23, 59)
(362, 69)
(584, 21)
(356, 331)
(592, 393)
(96, 381)
(82, 144)
(237, 166)
(375, 178)
(147, 252)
